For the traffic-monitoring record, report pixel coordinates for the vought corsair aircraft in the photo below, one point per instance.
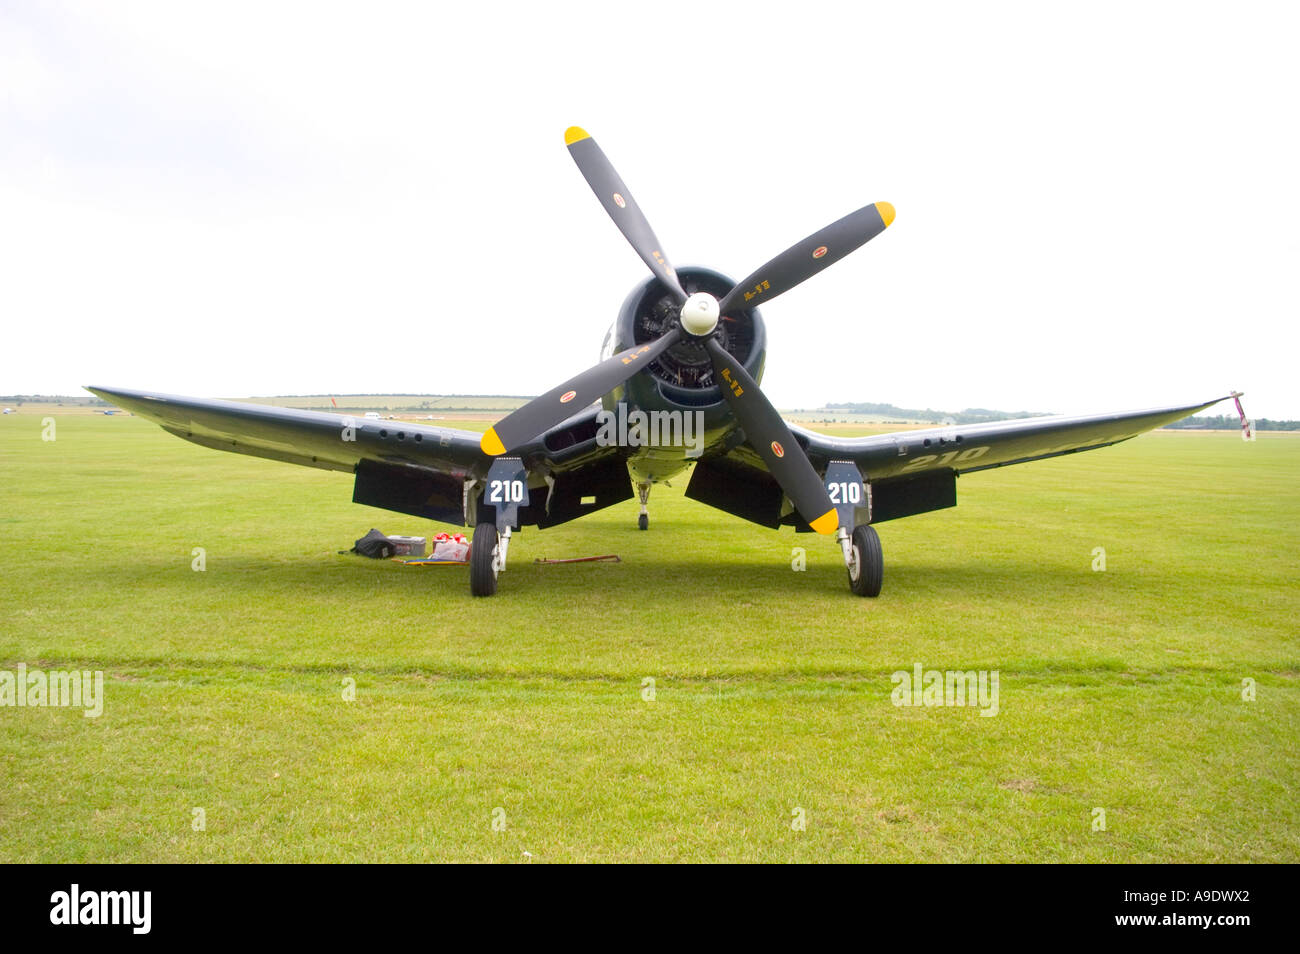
(685, 353)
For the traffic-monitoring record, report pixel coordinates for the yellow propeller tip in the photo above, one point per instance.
(886, 213)
(491, 444)
(575, 134)
(828, 522)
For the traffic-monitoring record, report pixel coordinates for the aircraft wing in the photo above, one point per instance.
(911, 472)
(312, 438)
(402, 466)
(965, 448)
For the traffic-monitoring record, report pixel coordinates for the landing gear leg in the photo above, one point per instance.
(487, 553)
(643, 521)
(863, 558)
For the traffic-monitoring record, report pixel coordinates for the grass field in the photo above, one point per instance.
(224, 689)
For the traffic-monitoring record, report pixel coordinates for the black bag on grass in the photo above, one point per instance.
(375, 544)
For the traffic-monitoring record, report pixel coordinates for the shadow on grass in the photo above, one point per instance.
(661, 580)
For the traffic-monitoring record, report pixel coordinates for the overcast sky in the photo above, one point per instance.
(1097, 204)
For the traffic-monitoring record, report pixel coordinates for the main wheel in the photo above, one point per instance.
(867, 570)
(482, 557)
(643, 522)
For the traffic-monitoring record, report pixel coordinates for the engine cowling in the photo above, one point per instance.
(682, 378)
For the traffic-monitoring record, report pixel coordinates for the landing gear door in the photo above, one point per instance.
(849, 493)
(506, 490)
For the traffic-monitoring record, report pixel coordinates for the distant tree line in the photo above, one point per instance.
(520, 397)
(981, 415)
(1229, 423)
(74, 399)
(972, 415)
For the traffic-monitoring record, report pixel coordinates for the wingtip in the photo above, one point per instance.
(575, 134)
(886, 213)
(491, 444)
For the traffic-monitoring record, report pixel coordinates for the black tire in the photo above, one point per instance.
(869, 563)
(482, 550)
(643, 522)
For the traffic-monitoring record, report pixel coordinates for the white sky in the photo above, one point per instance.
(1097, 206)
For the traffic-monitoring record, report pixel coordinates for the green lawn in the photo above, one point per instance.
(1119, 690)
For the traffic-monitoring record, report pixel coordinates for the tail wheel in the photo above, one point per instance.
(867, 569)
(482, 560)
(643, 522)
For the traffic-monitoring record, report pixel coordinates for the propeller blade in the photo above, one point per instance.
(805, 259)
(622, 208)
(544, 412)
(768, 435)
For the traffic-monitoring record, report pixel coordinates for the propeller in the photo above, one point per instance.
(544, 412)
(805, 259)
(622, 208)
(763, 426)
(768, 434)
